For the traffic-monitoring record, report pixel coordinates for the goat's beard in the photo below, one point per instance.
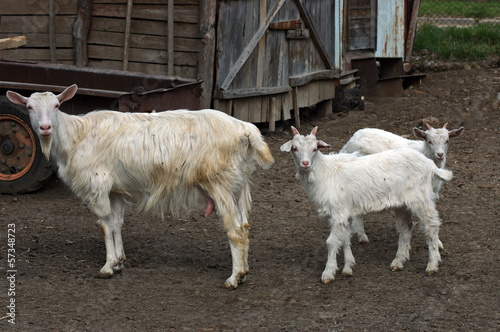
(46, 143)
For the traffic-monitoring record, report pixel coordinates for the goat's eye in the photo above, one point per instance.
(294, 149)
(315, 150)
(29, 108)
(446, 142)
(430, 143)
(57, 105)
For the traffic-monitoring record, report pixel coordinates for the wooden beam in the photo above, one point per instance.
(170, 37)
(208, 10)
(272, 114)
(296, 110)
(12, 42)
(253, 92)
(81, 28)
(251, 46)
(412, 30)
(126, 37)
(303, 79)
(52, 31)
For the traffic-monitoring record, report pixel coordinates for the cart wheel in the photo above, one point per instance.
(23, 167)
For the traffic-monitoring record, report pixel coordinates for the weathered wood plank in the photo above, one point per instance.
(148, 68)
(185, 14)
(139, 27)
(308, 77)
(12, 42)
(14, 7)
(34, 24)
(146, 2)
(141, 55)
(42, 40)
(37, 54)
(252, 92)
(144, 41)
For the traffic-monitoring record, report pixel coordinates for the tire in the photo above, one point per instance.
(23, 167)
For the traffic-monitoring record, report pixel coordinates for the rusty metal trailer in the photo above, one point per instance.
(23, 168)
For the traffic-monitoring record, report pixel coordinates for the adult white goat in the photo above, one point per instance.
(371, 140)
(345, 185)
(162, 162)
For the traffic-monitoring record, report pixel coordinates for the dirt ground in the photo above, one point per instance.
(175, 268)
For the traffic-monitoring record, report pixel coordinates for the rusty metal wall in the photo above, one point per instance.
(390, 29)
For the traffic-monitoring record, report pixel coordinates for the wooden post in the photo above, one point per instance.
(208, 9)
(170, 38)
(272, 114)
(52, 32)
(296, 111)
(262, 44)
(411, 30)
(81, 28)
(126, 38)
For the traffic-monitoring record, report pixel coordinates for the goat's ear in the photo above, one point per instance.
(295, 131)
(456, 132)
(314, 130)
(287, 146)
(419, 133)
(322, 145)
(16, 98)
(68, 93)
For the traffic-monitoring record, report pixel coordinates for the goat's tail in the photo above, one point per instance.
(444, 174)
(263, 154)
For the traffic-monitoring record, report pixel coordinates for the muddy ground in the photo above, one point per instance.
(175, 268)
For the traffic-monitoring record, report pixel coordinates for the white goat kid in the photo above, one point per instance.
(371, 140)
(345, 185)
(164, 162)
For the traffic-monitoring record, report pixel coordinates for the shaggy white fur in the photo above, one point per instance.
(165, 162)
(371, 140)
(345, 185)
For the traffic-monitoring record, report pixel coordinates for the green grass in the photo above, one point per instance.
(483, 9)
(462, 43)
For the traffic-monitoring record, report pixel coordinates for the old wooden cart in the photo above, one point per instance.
(22, 166)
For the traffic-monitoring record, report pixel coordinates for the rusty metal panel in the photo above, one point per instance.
(390, 29)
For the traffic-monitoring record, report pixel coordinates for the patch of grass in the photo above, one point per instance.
(484, 9)
(462, 43)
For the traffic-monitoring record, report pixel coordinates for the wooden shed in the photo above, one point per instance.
(259, 60)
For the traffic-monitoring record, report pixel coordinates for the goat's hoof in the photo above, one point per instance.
(233, 281)
(106, 272)
(363, 240)
(118, 269)
(104, 275)
(431, 272)
(347, 273)
(230, 286)
(396, 268)
(327, 278)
